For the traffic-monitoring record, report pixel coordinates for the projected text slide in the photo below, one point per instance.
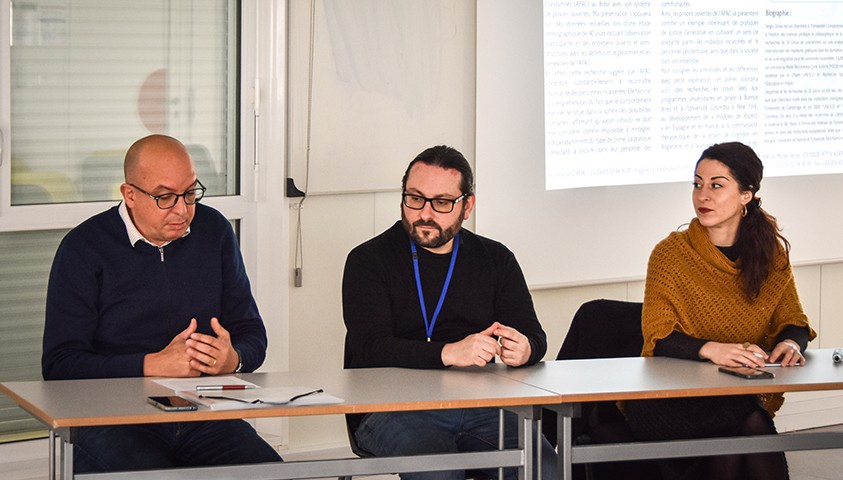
(635, 90)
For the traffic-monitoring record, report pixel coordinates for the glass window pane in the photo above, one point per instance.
(88, 77)
(25, 259)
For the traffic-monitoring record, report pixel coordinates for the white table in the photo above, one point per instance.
(65, 405)
(578, 381)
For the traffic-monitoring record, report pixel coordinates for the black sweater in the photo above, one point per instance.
(383, 319)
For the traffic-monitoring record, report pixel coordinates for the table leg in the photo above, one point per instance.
(51, 455)
(564, 440)
(563, 445)
(526, 438)
(66, 454)
(501, 443)
(537, 439)
(525, 441)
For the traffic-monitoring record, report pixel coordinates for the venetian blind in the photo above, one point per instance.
(25, 259)
(88, 77)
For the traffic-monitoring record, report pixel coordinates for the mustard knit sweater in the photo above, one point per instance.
(693, 288)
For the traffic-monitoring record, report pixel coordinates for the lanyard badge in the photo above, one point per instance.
(430, 324)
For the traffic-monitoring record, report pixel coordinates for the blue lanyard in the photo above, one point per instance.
(428, 325)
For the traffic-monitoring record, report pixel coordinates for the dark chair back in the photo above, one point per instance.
(603, 329)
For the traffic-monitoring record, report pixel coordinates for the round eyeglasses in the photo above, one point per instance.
(168, 200)
(440, 205)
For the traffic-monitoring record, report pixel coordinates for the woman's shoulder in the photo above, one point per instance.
(781, 261)
(677, 239)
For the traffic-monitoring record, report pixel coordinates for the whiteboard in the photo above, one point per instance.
(387, 79)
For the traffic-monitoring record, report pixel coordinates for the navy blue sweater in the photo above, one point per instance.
(109, 304)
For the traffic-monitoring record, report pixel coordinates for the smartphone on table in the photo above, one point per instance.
(748, 373)
(171, 403)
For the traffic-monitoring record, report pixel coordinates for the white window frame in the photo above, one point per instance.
(261, 201)
(239, 207)
(262, 27)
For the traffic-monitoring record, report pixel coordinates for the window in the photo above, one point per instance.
(86, 78)
(25, 259)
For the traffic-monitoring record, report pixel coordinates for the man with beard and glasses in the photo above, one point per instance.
(427, 293)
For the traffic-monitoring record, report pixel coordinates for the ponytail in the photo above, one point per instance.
(759, 241)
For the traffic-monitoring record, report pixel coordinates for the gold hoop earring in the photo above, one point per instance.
(743, 211)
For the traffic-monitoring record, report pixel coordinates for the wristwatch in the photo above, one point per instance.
(239, 361)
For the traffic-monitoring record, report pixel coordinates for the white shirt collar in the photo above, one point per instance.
(132, 230)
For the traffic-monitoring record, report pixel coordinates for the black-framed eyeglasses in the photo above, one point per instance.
(440, 205)
(169, 200)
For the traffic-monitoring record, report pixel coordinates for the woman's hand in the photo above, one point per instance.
(734, 354)
(788, 353)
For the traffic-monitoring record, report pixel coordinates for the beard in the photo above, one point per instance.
(436, 240)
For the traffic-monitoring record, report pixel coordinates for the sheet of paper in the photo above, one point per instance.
(259, 398)
(191, 383)
(276, 395)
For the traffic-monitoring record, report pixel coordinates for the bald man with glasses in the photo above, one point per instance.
(155, 286)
